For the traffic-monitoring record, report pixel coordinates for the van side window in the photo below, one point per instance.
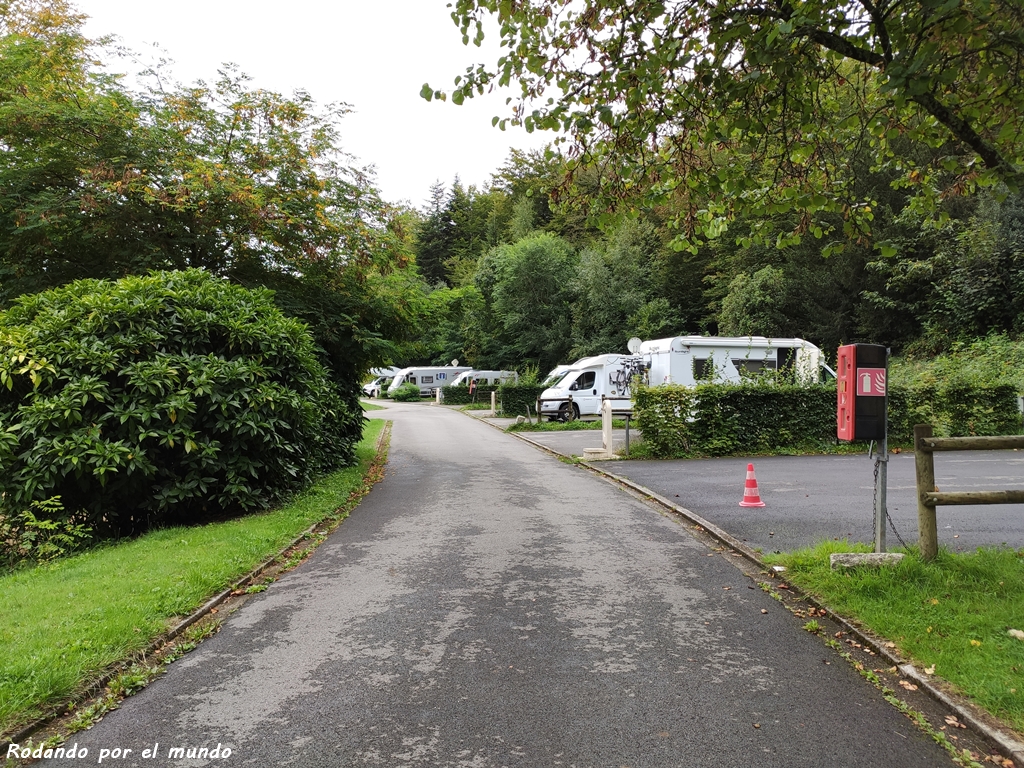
(702, 368)
(753, 366)
(426, 380)
(585, 380)
(412, 379)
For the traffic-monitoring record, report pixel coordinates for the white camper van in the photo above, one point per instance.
(556, 373)
(580, 389)
(381, 378)
(484, 378)
(427, 378)
(692, 360)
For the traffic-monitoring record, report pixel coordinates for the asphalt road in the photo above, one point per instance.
(809, 499)
(487, 605)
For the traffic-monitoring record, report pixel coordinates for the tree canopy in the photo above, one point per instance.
(757, 108)
(101, 181)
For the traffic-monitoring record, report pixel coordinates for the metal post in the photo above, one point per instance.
(627, 434)
(924, 461)
(882, 471)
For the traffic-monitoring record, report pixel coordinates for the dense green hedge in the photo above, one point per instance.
(519, 399)
(461, 396)
(955, 409)
(407, 393)
(161, 399)
(722, 419)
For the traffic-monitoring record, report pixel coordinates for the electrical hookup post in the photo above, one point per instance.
(862, 413)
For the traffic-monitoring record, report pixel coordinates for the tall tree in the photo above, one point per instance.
(529, 288)
(728, 106)
(98, 181)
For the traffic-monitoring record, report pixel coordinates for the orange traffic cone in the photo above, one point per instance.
(751, 498)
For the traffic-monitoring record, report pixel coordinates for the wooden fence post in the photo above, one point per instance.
(924, 461)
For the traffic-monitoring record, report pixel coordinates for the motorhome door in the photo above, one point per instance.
(585, 393)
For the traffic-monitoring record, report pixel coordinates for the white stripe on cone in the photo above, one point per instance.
(751, 498)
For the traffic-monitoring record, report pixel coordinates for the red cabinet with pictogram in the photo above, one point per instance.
(862, 381)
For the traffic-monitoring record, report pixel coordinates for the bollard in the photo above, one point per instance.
(606, 426)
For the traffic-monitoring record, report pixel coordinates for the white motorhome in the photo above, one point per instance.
(692, 360)
(381, 378)
(484, 378)
(580, 389)
(427, 378)
(556, 373)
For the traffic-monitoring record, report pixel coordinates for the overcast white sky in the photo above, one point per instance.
(373, 55)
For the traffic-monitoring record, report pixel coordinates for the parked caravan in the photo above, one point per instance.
(692, 360)
(578, 392)
(484, 378)
(427, 378)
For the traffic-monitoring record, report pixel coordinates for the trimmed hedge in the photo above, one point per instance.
(461, 396)
(955, 409)
(723, 419)
(519, 399)
(161, 400)
(407, 393)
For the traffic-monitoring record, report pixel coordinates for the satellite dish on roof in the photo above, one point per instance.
(455, 363)
(633, 345)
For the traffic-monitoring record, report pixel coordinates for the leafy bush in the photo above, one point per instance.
(40, 533)
(161, 399)
(519, 399)
(970, 391)
(406, 393)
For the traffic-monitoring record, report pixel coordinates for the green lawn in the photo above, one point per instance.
(62, 624)
(951, 616)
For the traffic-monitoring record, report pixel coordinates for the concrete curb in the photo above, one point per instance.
(968, 713)
(204, 610)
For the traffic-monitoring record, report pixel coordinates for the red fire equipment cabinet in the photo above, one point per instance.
(862, 377)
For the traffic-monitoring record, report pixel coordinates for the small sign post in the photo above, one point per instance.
(862, 413)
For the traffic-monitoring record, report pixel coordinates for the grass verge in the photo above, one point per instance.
(952, 616)
(63, 624)
(563, 426)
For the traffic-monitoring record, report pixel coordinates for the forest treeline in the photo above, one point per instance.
(915, 249)
(510, 278)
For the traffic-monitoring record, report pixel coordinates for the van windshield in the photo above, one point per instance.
(563, 380)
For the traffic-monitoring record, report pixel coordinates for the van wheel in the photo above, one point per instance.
(567, 412)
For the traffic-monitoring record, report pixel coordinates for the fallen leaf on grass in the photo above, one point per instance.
(930, 670)
(1015, 633)
(975, 643)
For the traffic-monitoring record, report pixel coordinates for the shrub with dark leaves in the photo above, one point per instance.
(161, 399)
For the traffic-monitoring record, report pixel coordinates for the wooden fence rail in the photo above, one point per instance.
(928, 497)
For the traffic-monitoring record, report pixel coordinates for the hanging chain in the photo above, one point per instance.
(874, 509)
